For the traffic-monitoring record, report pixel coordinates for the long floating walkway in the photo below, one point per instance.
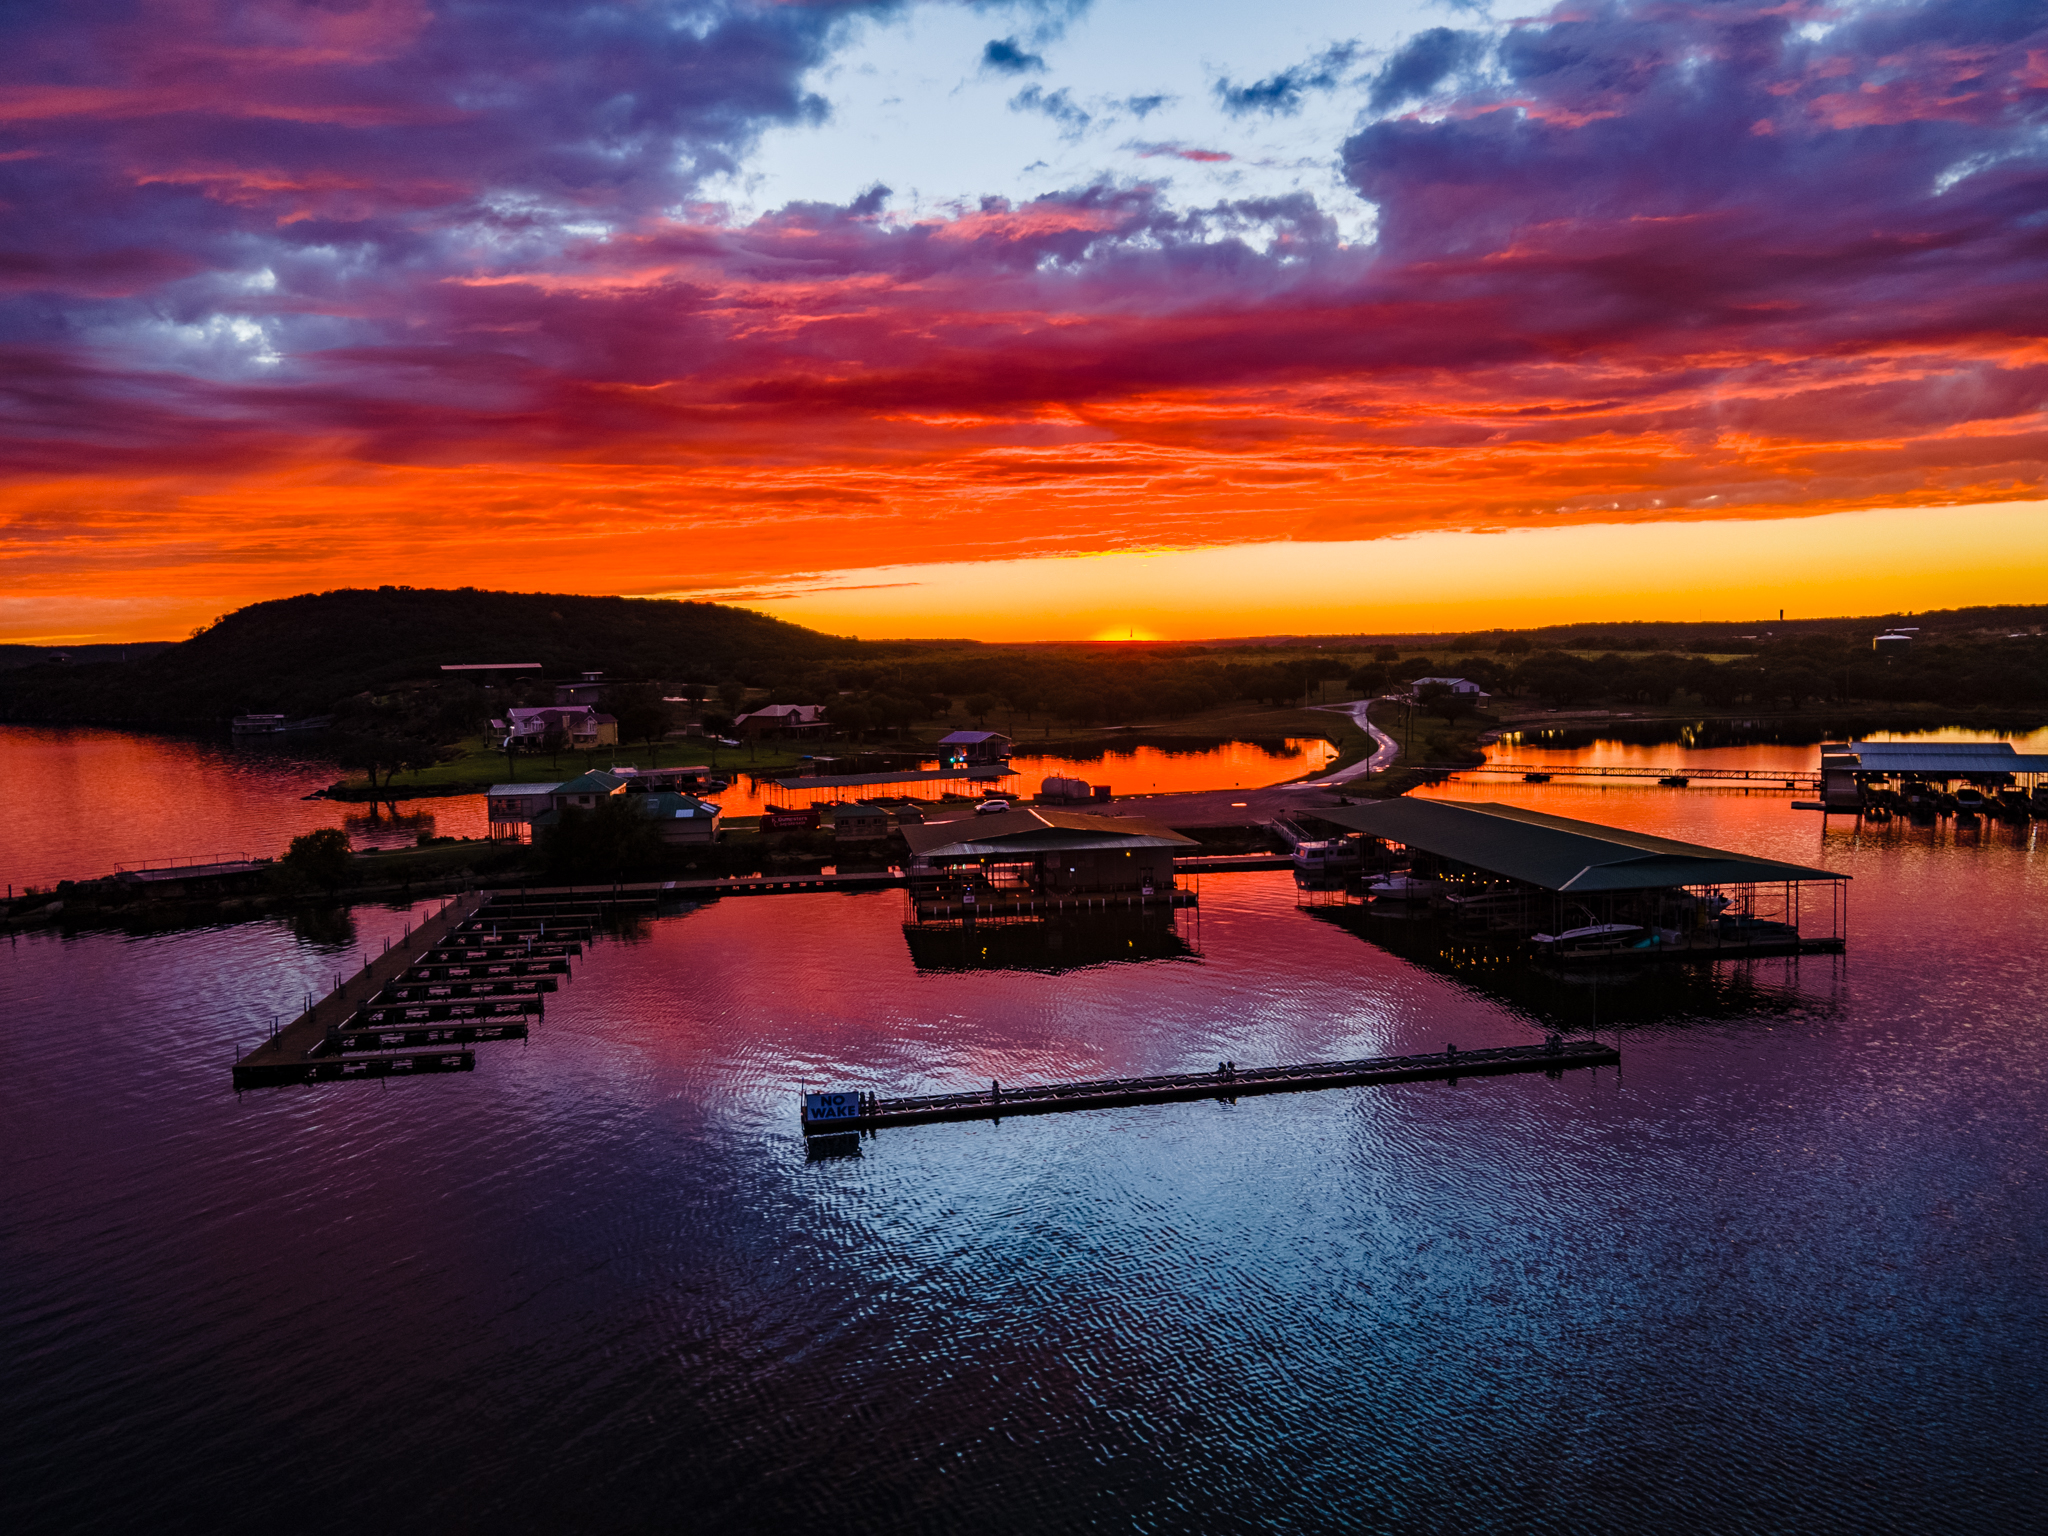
(871, 1112)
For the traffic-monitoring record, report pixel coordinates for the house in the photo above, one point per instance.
(585, 692)
(678, 818)
(781, 720)
(858, 823)
(586, 789)
(512, 807)
(1462, 686)
(976, 747)
(582, 727)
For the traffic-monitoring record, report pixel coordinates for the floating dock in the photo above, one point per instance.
(993, 1103)
(310, 1049)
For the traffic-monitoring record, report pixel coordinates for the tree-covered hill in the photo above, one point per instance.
(302, 655)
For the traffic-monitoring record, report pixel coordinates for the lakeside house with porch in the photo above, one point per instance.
(516, 809)
(582, 727)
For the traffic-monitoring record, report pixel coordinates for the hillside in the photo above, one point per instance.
(301, 655)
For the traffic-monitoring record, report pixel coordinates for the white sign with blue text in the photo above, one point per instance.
(831, 1106)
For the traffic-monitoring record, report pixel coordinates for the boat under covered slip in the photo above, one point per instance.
(1725, 934)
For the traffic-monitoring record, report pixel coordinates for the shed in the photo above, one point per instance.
(977, 746)
(679, 818)
(859, 823)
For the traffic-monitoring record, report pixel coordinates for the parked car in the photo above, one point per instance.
(991, 807)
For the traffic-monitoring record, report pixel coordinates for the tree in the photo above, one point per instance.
(978, 705)
(1368, 678)
(321, 858)
(1445, 702)
(614, 840)
(642, 714)
(1557, 676)
(554, 741)
(850, 717)
(1515, 645)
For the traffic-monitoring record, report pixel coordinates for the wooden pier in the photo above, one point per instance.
(1681, 778)
(995, 1102)
(308, 1050)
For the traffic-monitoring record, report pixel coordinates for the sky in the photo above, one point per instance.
(1025, 321)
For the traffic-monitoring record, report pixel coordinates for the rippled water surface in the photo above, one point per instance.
(1781, 1271)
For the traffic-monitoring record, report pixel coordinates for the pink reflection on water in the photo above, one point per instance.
(91, 800)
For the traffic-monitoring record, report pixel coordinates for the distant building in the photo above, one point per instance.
(1893, 644)
(586, 789)
(513, 807)
(583, 727)
(781, 720)
(679, 818)
(1458, 685)
(976, 746)
(857, 823)
(584, 692)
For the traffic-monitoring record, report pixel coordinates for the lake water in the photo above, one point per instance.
(102, 799)
(1783, 1270)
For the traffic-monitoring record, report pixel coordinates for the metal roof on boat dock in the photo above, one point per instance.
(1556, 852)
(1032, 830)
(1951, 759)
(901, 776)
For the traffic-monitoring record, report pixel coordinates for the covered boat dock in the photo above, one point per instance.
(1576, 889)
(1036, 863)
(1858, 774)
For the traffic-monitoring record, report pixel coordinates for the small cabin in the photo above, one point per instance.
(976, 747)
(860, 823)
(679, 819)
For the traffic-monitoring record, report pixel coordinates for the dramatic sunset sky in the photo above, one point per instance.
(1180, 319)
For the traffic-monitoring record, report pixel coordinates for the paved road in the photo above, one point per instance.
(1383, 753)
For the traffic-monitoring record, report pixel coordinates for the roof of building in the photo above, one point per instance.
(518, 791)
(971, 738)
(663, 805)
(1556, 852)
(1448, 682)
(1936, 757)
(597, 782)
(920, 776)
(1035, 829)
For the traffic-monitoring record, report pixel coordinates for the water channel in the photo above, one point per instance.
(1781, 1271)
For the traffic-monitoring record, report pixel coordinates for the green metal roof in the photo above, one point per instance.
(596, 782)
(1555, 852)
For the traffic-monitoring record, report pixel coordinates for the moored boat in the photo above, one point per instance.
(1594, 940)
(1400, 887)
